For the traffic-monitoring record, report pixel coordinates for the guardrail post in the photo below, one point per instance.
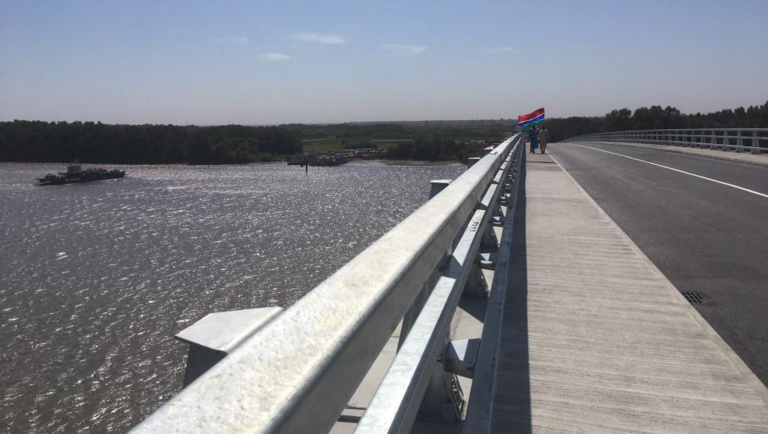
(476, 285)
(217, 334)
(755, 143)
(471, 161)
(437, 185)
(739, 143)
(713, 142)
(444, 398)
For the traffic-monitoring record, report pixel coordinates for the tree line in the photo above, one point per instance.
(433, 147)
(418, 140)
(89, 142)
(656, 117)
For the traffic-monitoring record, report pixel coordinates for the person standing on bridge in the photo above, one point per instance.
(533, 137)
(543, 139)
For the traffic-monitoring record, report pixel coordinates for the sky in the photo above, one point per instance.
(271, 62)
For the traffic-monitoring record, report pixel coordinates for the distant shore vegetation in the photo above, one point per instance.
(89, 142)
(657, 118)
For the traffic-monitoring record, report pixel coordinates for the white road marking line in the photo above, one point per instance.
(677, 170)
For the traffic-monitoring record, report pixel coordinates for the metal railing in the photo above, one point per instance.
(297, 373)
(754, 140)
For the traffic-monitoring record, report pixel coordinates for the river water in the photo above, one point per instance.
(96, 278)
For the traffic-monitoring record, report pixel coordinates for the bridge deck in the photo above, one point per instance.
(596, 339)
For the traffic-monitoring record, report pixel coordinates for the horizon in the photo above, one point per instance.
(202, 63)
(379, 121)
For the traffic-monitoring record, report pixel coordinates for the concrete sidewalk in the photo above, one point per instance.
(596, 339)
(740, 157)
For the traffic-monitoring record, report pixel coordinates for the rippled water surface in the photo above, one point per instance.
(96, 278)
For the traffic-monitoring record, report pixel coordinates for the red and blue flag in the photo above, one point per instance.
(532, 118)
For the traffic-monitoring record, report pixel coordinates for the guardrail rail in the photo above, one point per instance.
(754, 140)
(298, 369)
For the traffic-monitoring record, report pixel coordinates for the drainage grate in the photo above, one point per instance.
(695, 297)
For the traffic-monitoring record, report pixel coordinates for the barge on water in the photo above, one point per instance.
(317, 160)
(75, 174)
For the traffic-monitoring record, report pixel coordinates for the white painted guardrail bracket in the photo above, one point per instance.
(461, 357)
(487, 260)
(503, 199)
(217, 334)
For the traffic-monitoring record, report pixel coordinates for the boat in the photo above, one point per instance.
(317, 160)
(75, 174)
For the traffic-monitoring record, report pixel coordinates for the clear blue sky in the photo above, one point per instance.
(266, 62)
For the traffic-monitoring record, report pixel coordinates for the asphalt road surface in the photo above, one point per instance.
(706, 235)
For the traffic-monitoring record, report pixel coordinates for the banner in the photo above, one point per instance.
(531, 118)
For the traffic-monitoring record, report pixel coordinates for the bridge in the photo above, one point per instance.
(569, 292)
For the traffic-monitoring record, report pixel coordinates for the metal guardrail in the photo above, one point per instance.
(415, 372)
(754, 140)
(297, 373)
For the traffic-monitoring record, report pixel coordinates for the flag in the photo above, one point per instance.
(531, 118)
